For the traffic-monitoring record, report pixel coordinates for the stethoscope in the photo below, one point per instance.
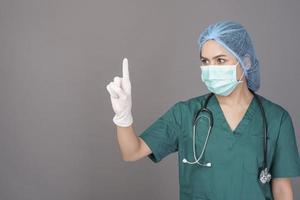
(264, 175)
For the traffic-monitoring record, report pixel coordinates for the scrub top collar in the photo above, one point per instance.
(219, 116)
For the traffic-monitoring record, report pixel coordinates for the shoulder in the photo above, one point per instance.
(274, 110)
(192, 102)
(183, 109)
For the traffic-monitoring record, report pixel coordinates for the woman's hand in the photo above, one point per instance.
(120, 95)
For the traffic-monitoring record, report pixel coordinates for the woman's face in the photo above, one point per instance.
(213, 53)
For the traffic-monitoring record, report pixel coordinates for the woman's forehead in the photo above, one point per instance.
(212, 48)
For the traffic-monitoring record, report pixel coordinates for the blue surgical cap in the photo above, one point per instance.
(235, 38)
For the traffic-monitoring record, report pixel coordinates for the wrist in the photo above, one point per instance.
(124, 119)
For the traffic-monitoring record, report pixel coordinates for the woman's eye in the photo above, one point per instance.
(221, 60)
(204, 62)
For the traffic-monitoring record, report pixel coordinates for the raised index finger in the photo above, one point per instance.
(125, 69)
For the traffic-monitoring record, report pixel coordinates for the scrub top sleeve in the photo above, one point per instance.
(286, 161)
(162, 135)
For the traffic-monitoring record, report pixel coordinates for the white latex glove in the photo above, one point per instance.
(120, 95)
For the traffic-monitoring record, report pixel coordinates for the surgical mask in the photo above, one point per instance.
(220, 79)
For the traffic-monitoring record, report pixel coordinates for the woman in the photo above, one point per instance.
(225, 160)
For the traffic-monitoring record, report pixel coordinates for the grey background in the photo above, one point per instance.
(57, 138)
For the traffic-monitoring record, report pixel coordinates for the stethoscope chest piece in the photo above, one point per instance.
(264, 176)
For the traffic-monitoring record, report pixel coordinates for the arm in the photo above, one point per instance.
(286, 162)
(132, 147)
(282, 189)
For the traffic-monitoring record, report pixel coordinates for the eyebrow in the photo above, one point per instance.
(221, 55)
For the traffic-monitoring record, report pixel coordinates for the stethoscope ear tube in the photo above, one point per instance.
(197, 116)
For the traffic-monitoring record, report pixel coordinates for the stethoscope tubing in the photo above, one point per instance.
(264, 176)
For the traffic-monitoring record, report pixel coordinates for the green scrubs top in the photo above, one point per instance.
(235, 155)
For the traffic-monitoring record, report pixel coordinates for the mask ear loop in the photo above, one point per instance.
(240, 81)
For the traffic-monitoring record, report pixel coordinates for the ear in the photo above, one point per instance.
(247, 61)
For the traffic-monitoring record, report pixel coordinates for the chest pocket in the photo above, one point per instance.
(252, 160)
(252, 153)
